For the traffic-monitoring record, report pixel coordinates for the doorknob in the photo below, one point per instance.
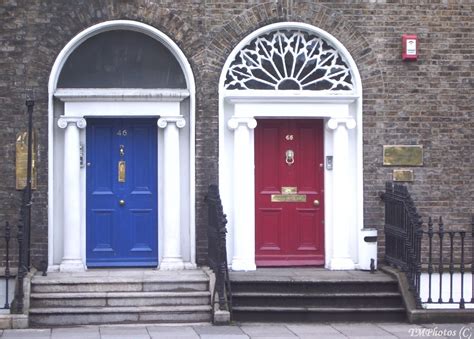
(122, 202)
(316, 203)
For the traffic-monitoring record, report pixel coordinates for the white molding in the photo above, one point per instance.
(120, 94)
(266, 96)
(234, 122)
(64, 121)
(162, 95)
(178, 120)
(346, 106)
(348, 121)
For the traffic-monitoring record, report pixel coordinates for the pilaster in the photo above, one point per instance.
(172, 258)
(243, 219)
(341, 259)
(72, 261)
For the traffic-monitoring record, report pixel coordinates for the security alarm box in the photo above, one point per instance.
(409, 47)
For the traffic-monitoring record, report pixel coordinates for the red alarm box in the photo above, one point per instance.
(409, 47)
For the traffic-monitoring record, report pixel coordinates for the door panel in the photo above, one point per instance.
(121, 215)
(289, 233)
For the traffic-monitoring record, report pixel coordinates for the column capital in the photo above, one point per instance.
(333, 123)
(178, 120)
(64, 121)
(235, 122)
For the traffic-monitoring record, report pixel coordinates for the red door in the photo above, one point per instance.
(289, 192)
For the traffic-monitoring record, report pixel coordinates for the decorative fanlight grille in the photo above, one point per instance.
(289, 60)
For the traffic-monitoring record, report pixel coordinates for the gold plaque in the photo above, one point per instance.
(22, 159)
(289, 190)
(288, 198)
(403, 155)
(121, 171)
(403, 175)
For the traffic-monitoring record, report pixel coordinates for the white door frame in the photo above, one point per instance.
(343, 188)
(69, 107)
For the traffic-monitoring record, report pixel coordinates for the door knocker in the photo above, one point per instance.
(290, 157)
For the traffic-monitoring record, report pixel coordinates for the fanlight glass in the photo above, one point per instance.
(121, 59)
(289, 60)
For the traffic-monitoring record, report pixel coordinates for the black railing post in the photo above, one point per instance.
(419, 235)
(7, 264)
(472, 259)
(24, 225)
(441, 236)
(461, 301)
(451, 264)
(430, 257)
(30, 103)
(17, 303)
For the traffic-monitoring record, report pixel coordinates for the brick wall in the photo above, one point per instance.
(428, 102)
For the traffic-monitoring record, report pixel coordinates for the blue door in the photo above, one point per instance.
(121, 193)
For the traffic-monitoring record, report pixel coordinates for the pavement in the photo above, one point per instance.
(250, 330)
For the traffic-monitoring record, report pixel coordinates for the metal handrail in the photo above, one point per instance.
(217, 250)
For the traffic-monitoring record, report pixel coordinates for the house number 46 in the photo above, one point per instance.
(122, 132)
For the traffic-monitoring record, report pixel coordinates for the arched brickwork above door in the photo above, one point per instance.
(70, 23)
(226, 38)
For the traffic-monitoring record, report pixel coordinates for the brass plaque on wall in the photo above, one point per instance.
(403, 155)
(403, 175)
(22, 158)
(288, 198)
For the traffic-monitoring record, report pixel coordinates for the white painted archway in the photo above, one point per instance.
(342, 114)
(67, 109)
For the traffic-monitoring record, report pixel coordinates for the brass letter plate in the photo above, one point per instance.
(21, 160)
(289, 190)
(403, 175)
(288, 198)
(402, 155)
(121, 171)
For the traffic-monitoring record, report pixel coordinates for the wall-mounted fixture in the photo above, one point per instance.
(409, 47)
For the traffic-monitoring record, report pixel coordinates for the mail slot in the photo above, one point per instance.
(288, 198)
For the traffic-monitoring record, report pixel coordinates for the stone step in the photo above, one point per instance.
(61, 316)
(317, 314)
(318, 300)
(52, 286)
(104, 299)
(304, 287)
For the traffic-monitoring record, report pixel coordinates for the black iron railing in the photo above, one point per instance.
(431, 252)
(403, 235)
(24, 225)
(448, 255)
(217, 252)
(7, 276)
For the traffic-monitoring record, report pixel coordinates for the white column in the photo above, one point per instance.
(341, 259)
(72, 261)
(243, 208)
(172, 259)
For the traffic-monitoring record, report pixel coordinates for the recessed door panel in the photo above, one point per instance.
(270, 239)
(289, 192)
(121, 193)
